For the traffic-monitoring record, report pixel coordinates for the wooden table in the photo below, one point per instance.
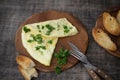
(14, 12)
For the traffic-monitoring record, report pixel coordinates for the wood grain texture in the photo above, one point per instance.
(80, 40)
(116, 39)
(14, 12)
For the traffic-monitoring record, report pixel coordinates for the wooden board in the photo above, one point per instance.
(116, 39)
(80, 40)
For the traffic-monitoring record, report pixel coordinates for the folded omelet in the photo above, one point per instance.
(40, 39)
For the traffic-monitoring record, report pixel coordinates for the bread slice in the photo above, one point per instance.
(26, 67)
(111, 25)
(103, 39)
(28, 73)
(25, 62)
(118, 16)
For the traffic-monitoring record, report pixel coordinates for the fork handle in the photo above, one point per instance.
(103, 74)
(93, 74)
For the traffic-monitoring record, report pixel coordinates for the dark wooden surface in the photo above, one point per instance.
(14, 12)
(80, 39)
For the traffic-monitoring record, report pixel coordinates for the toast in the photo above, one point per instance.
(118, 16)
(111, 24)
(103, 39)
(25, 62)
(28, 73)
(26, 67)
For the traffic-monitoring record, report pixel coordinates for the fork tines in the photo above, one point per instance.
(74, 54)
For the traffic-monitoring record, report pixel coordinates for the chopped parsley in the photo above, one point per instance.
(42, 27)
(42, 47)
(50, 29)
(61, 57)
(58, 25)
(58, 69)
(36, 38)
(38, 26)
(50, 41)
(30, 41)
(26, 29)
(66, 29)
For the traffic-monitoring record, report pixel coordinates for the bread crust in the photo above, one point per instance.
(28, 73)
(24, 61)
(103, 39)
(118, 16)
(26, 67)
(24, 73)
(111, 24)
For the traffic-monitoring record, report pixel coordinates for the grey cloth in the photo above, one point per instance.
(14, 12)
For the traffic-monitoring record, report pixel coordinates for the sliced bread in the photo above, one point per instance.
(103, 39)
(118, 16)
(28, 73)
(111, 24)
(26, 67)
(25, 62)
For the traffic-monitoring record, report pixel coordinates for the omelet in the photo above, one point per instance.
(40, 39)
(55, 28)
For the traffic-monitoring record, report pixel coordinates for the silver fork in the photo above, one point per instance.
(90, 68)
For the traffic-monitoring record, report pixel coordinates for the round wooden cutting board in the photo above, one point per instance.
(80, 40)
(116, 39)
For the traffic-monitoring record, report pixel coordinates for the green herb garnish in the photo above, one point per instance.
(62, 53)
(42, 27)
(26, 29)
(37, 38)
(58, 69)
(50, 41)
(61, 57)
(62, 61)
(50, 29)
(38, 26)
(30, 41)
(66, 29)
(58, 25)
(38, 47)
(43, 47)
